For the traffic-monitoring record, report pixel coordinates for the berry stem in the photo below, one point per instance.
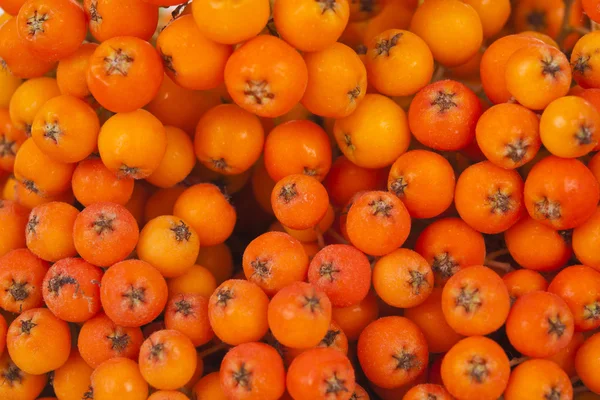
(374, 261)
(334, 234)
(179, 9)
(581, 389)
(494, 255)
(438, 74)
(581, 30)
(320, 238)
(516, 361)
(565, 27)
(214, 349)
(502, 266)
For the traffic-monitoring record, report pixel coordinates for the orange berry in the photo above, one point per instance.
(451, 29)
(392, 351)
(253, 371)
(27, 341)
(327, 20)
(209, 388)
(375, 134)
(508, 135)
(337, 81)
(554, 250)
(353, 319)
(565, 358)
(231, 22)
(110, 18)
(578, 286)
(21, 279)
(52, 29)
(66, 129)
(321, 373)
(494, 63)
(475, 301)
(49, 231)
(196, 280)
(275, 83)
(92, 183)
(585, 241)
(161, 202)
(19, 58)
(208, 212)
(443, 115)
(237, 311)
(585, 61)
(13, 220)
(569, 126)
(39, 174)
(72, 380)
(493, 15)
(427, 390)
(71, 72)
(523, 281)
(424, 181)
(218, 260)
(167, 359)
(429, 317)
(531, 13)
(11, 140)
(133, 293)
(177, 162)
(312, 234)
(539, 324)
(299, 315)
(124, 64)
(489, 198)
(18, 383)
(299, 201)
(399, 63)
(11, 7)
(561, 193)
(119, 378)
(542, 67)
(100, 339)
(342, 272)
(297, 147)
(169, 244)
(105, 233)
(346, 179)
(168, 395)
(476, 368)
(586, 363)
(192, 60)
(228, 139)
(132, 144)
(532, 379)
(449, 245)
(393, 15)
(188, 314)
(274, 260)
(403, 278)
(182, 108)
(378, 223)
(72, 289)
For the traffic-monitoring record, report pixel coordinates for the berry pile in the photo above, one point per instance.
(299, 199)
